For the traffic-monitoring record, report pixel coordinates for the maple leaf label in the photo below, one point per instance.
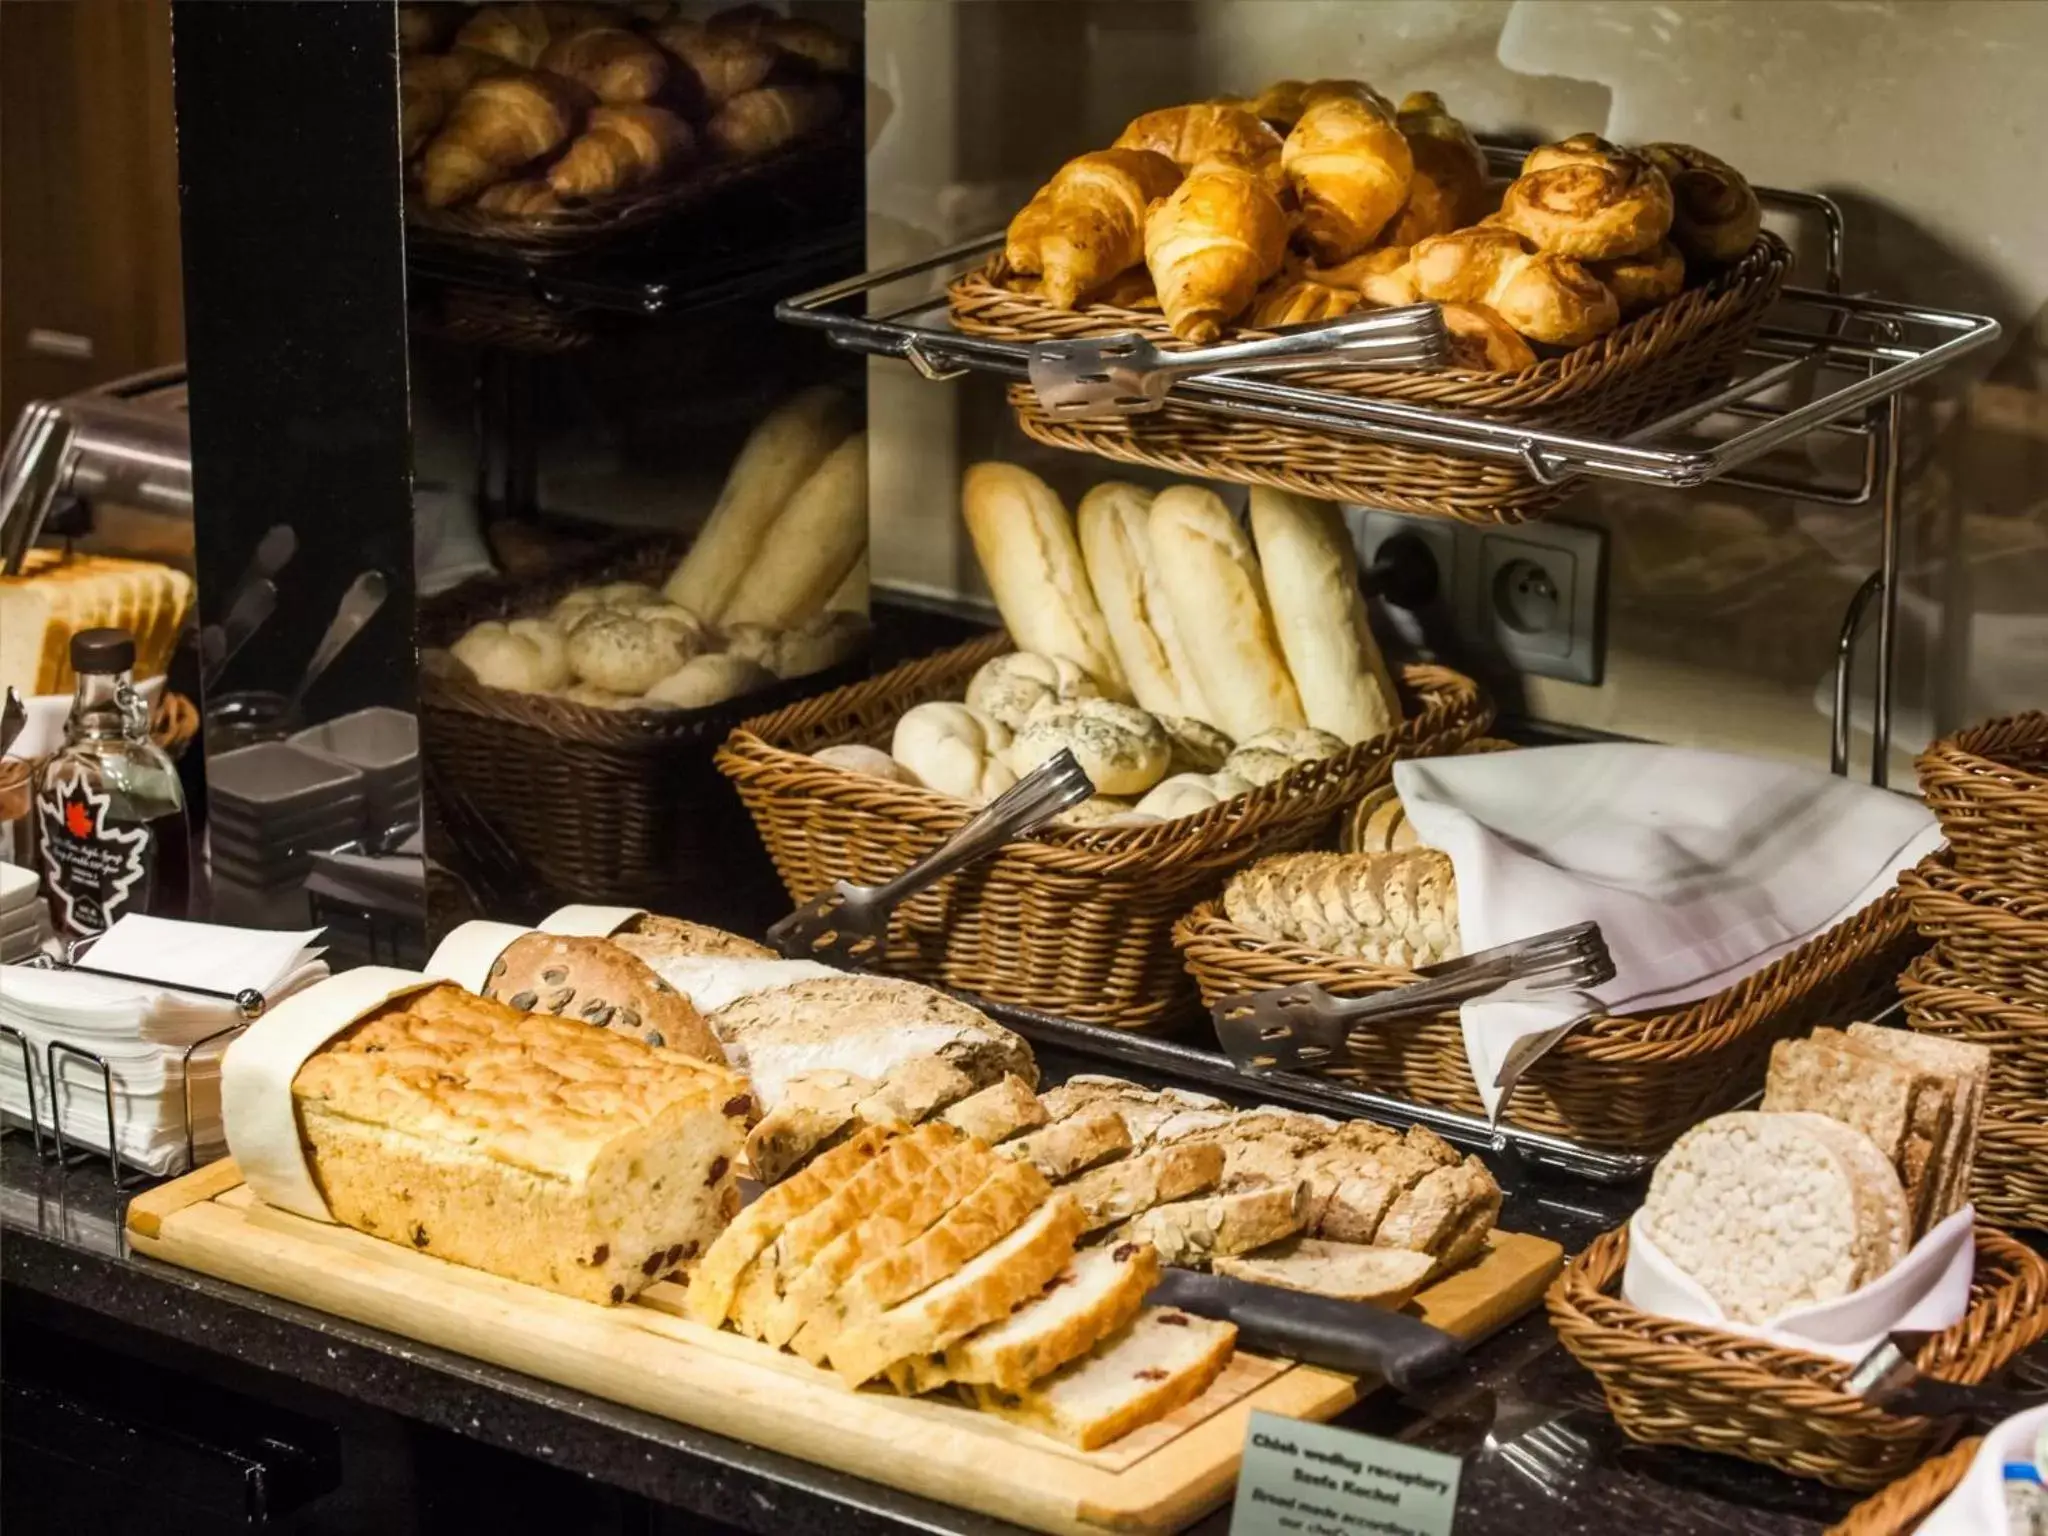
(96, 871)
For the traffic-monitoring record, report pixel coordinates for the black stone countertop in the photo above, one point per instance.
(1539, 1452)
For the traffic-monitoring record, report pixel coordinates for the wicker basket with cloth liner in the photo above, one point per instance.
(1627, 1083)
(1076, 923)
(612, 805)
(1988, 786)
(1645, 369)
(1675, 1383)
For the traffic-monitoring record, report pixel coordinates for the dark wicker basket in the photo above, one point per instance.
(1647, 368)
(1076, 923)
(1989, 787)
(1674, 1383)
(1991, 934)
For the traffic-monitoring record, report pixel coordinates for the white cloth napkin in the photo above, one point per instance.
(1977, 1505)
(1926, 1291)
(1701, 868)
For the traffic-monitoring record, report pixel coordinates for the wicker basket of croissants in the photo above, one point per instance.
(546, 125)
(1600, 289)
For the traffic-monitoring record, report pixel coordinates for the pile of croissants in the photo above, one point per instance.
(527, 109)
(1316, 199)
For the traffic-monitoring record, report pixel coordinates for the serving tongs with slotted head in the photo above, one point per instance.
(849, 924)
(1127, 374)
(1305, 1029)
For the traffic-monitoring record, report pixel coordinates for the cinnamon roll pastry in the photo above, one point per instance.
(1586, 198)
(1642, 282)
(1283, 102)
(1092, 227)
(1204, 131)
(1482, 342)
(1551, 298)
(1463, 266)
(1350, 170)
(1298, 300)
(1449, 189)
(1381, 276)
(1717, 217)
(1211, 245)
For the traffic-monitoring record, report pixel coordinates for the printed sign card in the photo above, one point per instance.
(1302, 1479)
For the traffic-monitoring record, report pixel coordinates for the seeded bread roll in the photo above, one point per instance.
(1011, 689)
(1118, 551)
(1198, 747)
(1025, 540)
(1217, 596)
(1273, 755)
(1122, 749)
(596, 982)
(624, 653)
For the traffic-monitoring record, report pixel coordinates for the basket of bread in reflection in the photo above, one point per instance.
(1602, 288)
(547, 125)
(1219, 685)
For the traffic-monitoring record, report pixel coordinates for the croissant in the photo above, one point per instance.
(1128, 290)
(759, 122)
(813, 42)
(1460, 267)
(1642, 282)
(1092, 224)
(1027, 233)
(1210, 245)
(1587, 198)
(621, 148)
(723, 64)
(1381, 276)
(497, 126)
(614, 65)
(1544, 296)
(1482, 342)
(1298, 300)
(420, 28)
(1350, 170)
(1449, 189)
(1207, 130)
(515, 33)
(526, 198)
(1283, 102)
(1716, 215)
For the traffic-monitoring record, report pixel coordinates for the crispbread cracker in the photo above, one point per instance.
(1903, 1111)
(1966, 1068)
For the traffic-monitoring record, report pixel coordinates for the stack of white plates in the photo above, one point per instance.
(383, 745)
(271, 807)
(24, 915)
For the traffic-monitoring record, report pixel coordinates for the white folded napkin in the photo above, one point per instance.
(1976, 1507)
(1701, 868)
(1926, 1291)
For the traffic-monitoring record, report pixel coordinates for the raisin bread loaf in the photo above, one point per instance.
(1162, 1361)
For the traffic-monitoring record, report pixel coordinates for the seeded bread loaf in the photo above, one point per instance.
(1120, 1190)
(1189, 1233)
(542, 1150)
(914, 1090)
(1150, 1115)
(650, 934)
(815, 1108)
(1067, 1146)
(1380, 1277)
(1397, 909)
(1164, 1360)
(999, 1111)
(1447, 1215)
(596, 982)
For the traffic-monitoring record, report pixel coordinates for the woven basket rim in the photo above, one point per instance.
(1962, 762)
(1765, 263)
(1221, 833)
(1900, 1506)
(1932, 978)
(1591, 1279)
(1934, 879)
(1662, 1036)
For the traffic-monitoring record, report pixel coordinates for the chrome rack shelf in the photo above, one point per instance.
(1829, 362)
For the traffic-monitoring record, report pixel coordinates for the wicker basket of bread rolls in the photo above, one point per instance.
(1603, 288)
(1677, 1383)
(1629, 1083)
(1898, 1508)
(1073, 921)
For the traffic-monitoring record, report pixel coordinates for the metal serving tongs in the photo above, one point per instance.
(1126, 374)
(1304, 1029)
(849, 924)
(1889, 1378)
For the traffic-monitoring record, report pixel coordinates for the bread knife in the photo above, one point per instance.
(1349, 1336)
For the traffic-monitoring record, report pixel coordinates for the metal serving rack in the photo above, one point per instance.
(1829, 362)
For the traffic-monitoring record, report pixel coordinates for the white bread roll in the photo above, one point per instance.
(706, 680)
(1014, 687)
(872, 761)
(1189, 794)
(1312, 589)
(525, 655)
(778, 456)
(1118, 552)
(1122, 749)
(1025, 542)
(811, 546)
(956, 750)
(1218, 601)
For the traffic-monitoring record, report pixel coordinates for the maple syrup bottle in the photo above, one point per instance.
(109, 807)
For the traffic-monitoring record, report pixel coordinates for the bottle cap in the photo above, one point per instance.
(102, 650)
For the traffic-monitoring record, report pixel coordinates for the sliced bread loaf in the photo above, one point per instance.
(1189, 1233)
(1446, 1215)
(1067, 1146)
(1163, 1360)
(913, 1091)
(1904, 1111)
(815, 1107)
(999, 1111)
(1120, 1190)
(1383, 1277)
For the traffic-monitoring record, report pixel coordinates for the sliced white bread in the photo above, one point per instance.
(1189, 1233)
(1065, 1147)
(1162, 1361)
(999, 1111)
(1094, 1296)
(1383, 1277)
(988, 1288)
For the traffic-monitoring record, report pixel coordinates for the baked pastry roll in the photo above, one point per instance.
(621, 148)
(613, 64)
(1588, 198)
(1482, 342)
(1350, 169)
(1208, 131)
(1381, 276)
(1087, 225)
(1283, 102)
(496, 127)
(1716, 214)
(1210, 245)
(1299, 301)
(1551, 299)
(1642, 282)
(1449, 188)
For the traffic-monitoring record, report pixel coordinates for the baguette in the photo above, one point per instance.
(810, 546)
(780, 454)
(1026, 543)
(1218, 601)
(1118, 551)
(1311, 572)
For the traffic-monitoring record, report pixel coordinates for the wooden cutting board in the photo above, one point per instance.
(1156, 1479)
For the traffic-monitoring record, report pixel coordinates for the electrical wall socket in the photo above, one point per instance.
(1531, 597)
